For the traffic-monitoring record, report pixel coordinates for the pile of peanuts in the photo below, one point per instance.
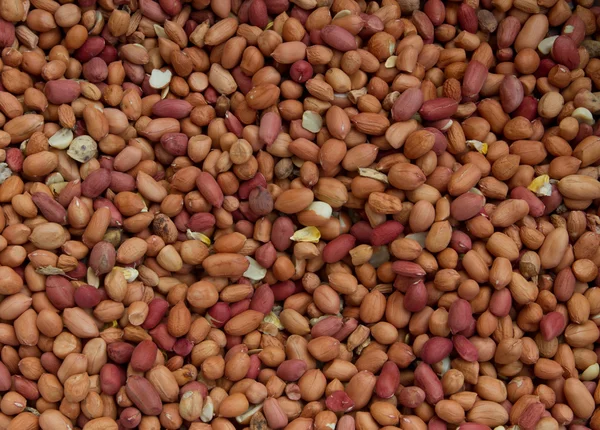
(299, 214)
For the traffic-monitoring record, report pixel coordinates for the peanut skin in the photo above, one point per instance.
(299, 214)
